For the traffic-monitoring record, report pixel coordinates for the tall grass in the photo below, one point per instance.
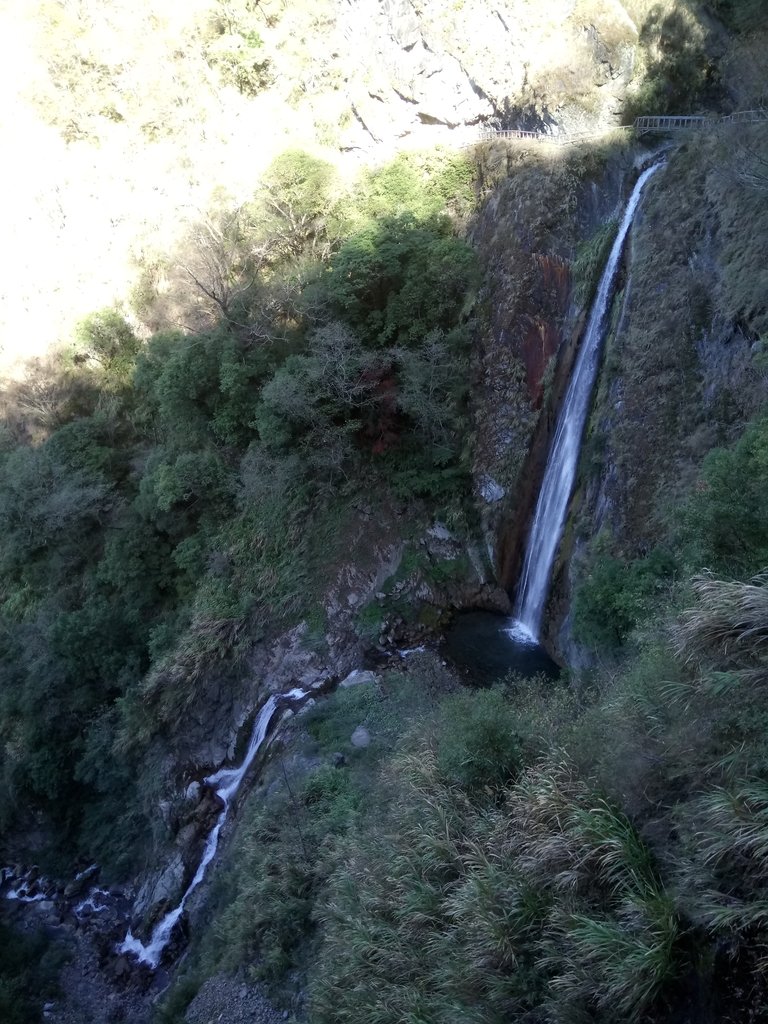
(548, 898)
(730, 618)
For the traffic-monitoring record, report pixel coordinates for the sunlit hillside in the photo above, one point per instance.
(121, 128)
(123, 119)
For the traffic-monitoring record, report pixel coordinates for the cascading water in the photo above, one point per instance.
(227, 782)
(555, 493)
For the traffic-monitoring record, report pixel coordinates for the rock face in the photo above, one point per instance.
(215, 723)
(529, 336)
(227, 999)
(160, 891)
(696, 358)
(388, 70)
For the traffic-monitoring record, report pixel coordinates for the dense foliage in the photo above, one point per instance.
(28, 969)
(596, 852)
(163, 503)
(492, 855)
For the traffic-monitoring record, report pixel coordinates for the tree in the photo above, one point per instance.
(397, 280)
(236, 47)
(223, 255)
(107, 339)
(431, 392)
(299, 204)
(316, 401)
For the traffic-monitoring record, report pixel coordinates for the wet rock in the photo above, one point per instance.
(192, 792)
(440, 532)
(490, 491)
(485, 596)
(207, 811)
(360, 738)
(81, 882)
(160, 890)
(121, 967)
(186, 836)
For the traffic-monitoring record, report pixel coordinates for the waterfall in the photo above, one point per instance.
(559, 475)
(227, 782)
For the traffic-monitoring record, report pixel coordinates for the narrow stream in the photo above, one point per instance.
(226, 782)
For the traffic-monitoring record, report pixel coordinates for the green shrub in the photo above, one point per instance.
(172, 1009)
(724, 522)
(741, 15)
(234, 47)
(482, 742)
(446, 911)
(616, 596)
(370, 620)
(28, 968)
(300, 207)
(106, 339)
(419, 184)
(679, 71)
(398, 279)
(283, 854)
(590, 259)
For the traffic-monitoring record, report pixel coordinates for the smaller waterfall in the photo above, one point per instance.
(227, 782)
(560, 473)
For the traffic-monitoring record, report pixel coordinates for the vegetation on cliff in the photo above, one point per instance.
(166, 503)
(176, 479)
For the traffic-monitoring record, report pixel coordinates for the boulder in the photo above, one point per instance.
(121, 968)
(192, 792)
(81, 882)
(490, 490)
(440, 532)
(360, 737)
(359, 677)
(186, 837)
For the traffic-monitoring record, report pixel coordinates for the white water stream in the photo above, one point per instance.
(227, 782)
(560, 473)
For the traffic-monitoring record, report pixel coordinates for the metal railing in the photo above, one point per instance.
(661, 124)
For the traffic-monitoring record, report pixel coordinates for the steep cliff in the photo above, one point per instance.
(335, 387)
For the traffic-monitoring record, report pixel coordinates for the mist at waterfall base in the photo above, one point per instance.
(225, 782)
(484, 645)
(490, 646)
